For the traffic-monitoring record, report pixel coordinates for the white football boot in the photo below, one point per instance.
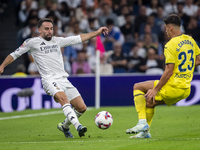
(143, 134)
(138, 128)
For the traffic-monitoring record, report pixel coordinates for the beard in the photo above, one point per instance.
(48, 38)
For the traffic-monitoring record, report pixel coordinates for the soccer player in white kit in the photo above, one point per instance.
(47, 55)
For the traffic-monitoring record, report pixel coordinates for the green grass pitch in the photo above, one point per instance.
(173, 128)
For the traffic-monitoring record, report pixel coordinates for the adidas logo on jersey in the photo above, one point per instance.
(42, 43)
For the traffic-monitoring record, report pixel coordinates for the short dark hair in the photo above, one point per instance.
(173, 19)
(43, 20)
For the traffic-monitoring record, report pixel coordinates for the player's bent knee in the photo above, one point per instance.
(136, 86)
(82, 109)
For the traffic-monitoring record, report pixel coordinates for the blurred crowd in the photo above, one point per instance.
(3, 6)
(136, 35)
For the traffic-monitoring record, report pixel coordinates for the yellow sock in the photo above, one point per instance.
(149, 115)
(140, 104)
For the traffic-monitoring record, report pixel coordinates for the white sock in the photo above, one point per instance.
(70, 115)
(67, 123)
(78, 114)
(142, 121)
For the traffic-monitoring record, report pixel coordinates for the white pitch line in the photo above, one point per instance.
(97, 141)
(35, 115)
(32, 115)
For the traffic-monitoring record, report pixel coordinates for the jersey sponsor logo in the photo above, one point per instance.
(48, 49)
(42, 43)
(182, 76)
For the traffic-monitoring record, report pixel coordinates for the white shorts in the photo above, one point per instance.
(52, 86)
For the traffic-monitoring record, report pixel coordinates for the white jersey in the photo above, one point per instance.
(47, 55)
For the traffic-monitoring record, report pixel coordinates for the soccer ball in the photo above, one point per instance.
(103, 120)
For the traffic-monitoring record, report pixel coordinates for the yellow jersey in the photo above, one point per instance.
(181, 51)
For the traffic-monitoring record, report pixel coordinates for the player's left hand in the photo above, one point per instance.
(150, 95)
(103, 30)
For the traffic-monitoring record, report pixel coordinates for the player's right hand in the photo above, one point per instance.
(151, 93)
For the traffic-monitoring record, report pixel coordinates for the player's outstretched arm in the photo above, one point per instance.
(87, 36)
(8, 60)
(197, 60)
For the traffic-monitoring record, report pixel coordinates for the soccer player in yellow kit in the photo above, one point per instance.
(181, 56)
